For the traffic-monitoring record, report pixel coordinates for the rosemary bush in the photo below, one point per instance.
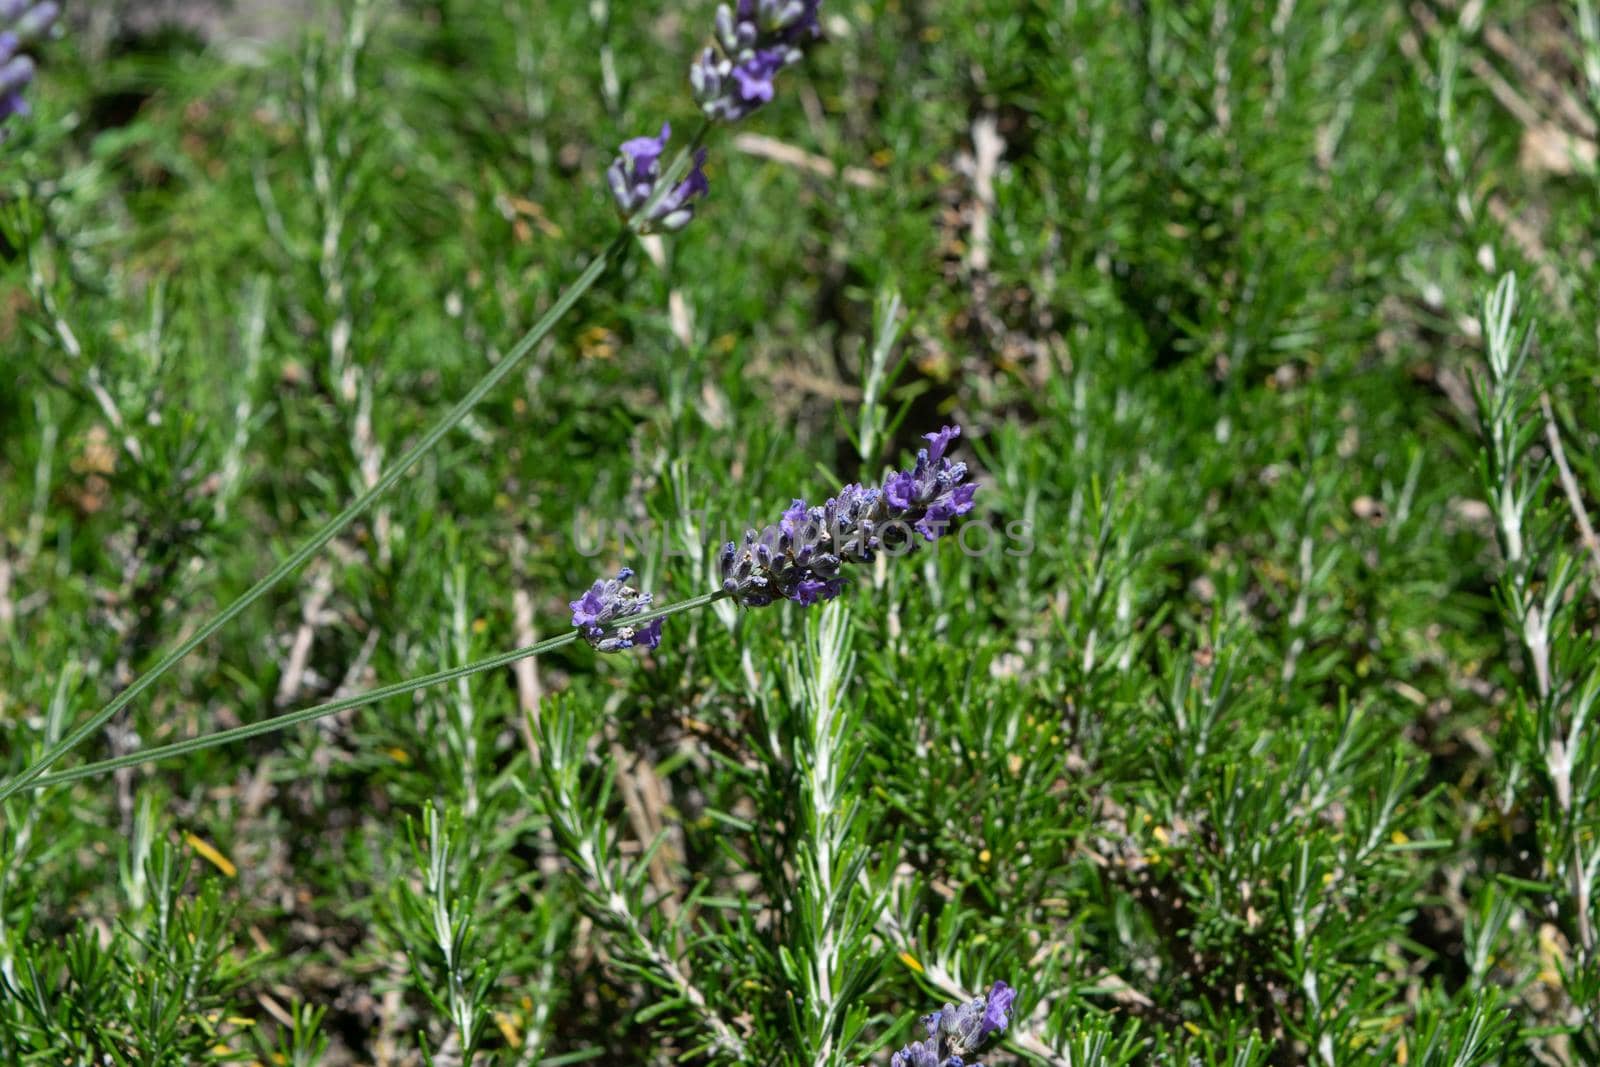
(1167, 438)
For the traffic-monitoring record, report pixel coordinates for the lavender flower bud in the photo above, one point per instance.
(706, 77)
(735, 34)
(635, 173)
(15, 72)
(31, 21)
(922, 1054)
(777, 16)
(742, 578)
(855, 519)
(608, 602)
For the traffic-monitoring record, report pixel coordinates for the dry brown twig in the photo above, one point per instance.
(643, 799)
(313, 614)
(526, 671)
(987, 148)
(770, 148)
(1569, 485)
(1536, 76)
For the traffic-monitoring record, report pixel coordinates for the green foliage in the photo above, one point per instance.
(1258, 730)
(150, 991)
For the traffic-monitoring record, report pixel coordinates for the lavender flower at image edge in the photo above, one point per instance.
(956, 1033)
(21, 23)
(754, 41)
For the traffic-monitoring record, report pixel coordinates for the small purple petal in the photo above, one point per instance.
(696, 184)
(898, 489)
(650, 636)
(943, 511)
(755, 75)
(996, 1011)
(645, 152)
(586, 609)
(939, 440)
(794, 516)
(810, 590)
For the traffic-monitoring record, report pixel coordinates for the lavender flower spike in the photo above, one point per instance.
(753, 43)
(21, 22)
(799, 558)
(635, 173)
(954, 1033)
(608, 602)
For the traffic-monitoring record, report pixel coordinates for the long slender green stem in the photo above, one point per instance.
(297, 559)
(333, 707)
(330, 529)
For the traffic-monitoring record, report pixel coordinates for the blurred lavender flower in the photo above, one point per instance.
(754, 41)
(21, 22)
(955, 1033)
(799, 558)
(606, 603)
(633, 176)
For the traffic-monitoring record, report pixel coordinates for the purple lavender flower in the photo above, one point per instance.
(935, 491)
(753, 43)
(21, 22)
(597, 611)
(788, 561)
(799, 558)
(957, 1032)
(635, 173)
